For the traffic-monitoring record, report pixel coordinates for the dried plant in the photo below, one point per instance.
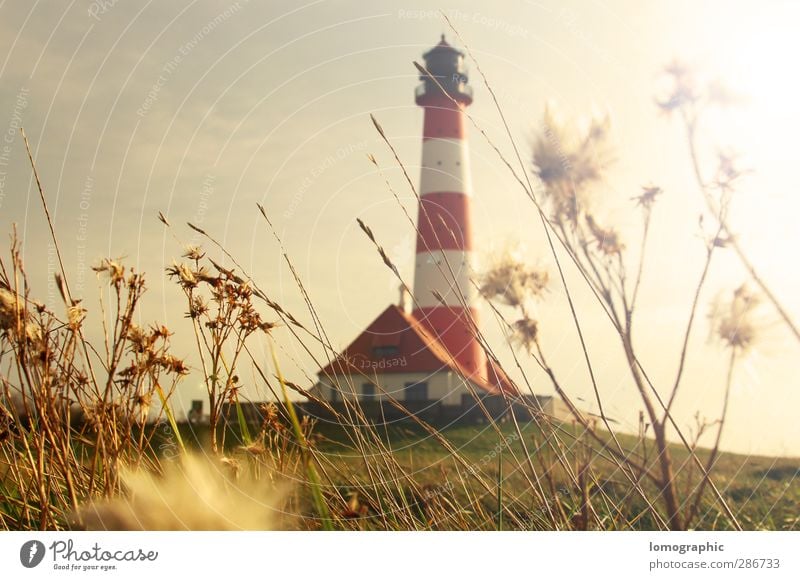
(73, 415)
(223, 316)
(685, 98)
(565, 165)
(568, 163)
(512, 282)
(734, 322)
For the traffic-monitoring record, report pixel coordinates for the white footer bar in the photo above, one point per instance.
(354, 555)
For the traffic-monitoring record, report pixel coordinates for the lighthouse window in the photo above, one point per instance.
(417, 391)
(384, 351)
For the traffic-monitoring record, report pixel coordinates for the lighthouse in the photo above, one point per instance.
(424, 351)
(444, 270)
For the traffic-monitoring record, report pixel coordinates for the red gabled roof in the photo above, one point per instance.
(396, 342)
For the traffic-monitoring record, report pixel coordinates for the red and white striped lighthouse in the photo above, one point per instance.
(432, 353)
(444, 260)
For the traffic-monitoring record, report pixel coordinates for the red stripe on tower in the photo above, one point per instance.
(445, 222)
(444, 262)
(447, 123)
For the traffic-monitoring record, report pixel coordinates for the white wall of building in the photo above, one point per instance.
(444, 386)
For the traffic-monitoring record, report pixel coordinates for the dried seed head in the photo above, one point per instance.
(255, 448)
(728, 172)
(526, 332)
(142, 402)
(160, 331)
(75, 316)
(193, 253)
(567, 161)
(608, 240)
(115, 270)
(197, 307)
(682, 91)
(647, 198)
(138, 338)
(173, 365)
(11, 309)
(12, 313)
(270, 414)
(512, 282)
(185, 276)
(268, 326)
(734, 321)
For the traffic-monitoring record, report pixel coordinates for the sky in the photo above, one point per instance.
(201, 110)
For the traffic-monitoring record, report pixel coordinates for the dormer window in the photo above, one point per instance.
(384, 351)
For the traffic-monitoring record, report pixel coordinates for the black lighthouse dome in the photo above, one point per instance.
(446, 64)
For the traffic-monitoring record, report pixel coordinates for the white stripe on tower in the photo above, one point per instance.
(447, 273)
(445, 166)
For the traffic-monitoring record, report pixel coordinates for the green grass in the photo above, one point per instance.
(763, 492)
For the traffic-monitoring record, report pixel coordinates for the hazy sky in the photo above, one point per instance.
(202, 109)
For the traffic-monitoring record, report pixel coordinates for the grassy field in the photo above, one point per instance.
(763, 492)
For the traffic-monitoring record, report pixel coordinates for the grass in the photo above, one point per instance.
(762, 491)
